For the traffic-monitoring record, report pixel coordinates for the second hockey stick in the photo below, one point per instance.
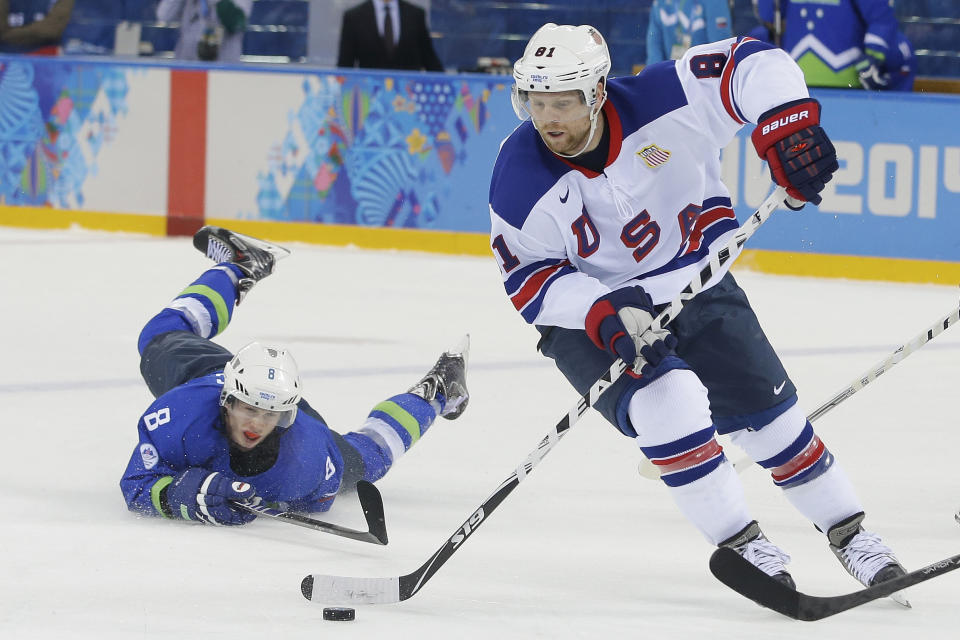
(735, 571)
(650, 471)
(370, 502)
(329, 589)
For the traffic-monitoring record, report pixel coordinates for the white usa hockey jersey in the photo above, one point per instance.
(564, 235)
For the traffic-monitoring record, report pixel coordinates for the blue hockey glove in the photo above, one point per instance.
(619, 322)
(797, 150)
(199, 494)
(871, 77)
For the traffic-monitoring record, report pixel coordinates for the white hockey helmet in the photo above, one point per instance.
(562, 58)
(266, 377)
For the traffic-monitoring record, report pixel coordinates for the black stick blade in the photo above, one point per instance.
(372, 504)
(730, 568)
(747, 580)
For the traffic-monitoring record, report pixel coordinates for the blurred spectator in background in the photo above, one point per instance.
(387, 34)
(33, 26)
(677, 25)
(209, 29)
(843, 43)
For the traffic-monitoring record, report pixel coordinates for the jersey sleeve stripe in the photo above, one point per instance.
(877, 41)
(533, 285)
(515, 282)
(738, 51)
(529, 300)
(532, 310)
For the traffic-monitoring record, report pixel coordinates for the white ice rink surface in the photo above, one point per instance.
(584, 548)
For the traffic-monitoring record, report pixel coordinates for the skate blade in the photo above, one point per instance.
(278, 252)
(461, 348)
(900, 598)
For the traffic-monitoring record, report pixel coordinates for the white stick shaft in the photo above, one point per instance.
(342, 589)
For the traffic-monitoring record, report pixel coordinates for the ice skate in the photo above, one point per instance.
(761, 553)
(255, 257)
(864, 556)
(448, 378)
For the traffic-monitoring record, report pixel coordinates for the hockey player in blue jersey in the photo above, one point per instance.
(604, 203)
(677, 25)
(841, 43)
(230, 427)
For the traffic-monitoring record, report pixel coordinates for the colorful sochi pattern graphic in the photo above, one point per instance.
(54, 121)
(411, 151)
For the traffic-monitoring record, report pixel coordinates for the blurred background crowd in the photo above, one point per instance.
(870, 44)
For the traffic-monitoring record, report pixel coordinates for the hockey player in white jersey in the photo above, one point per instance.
(604, 204)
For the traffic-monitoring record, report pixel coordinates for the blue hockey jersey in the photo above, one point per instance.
(828, 37)
(183, 428)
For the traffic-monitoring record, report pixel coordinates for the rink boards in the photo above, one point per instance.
(402, 160)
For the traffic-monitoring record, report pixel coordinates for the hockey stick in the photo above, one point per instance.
(346, 590)
(650, 471)
(370, 501)
(739, 574)
(887, 363)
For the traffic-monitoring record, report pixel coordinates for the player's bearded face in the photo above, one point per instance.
(563, 119)
(248, 426)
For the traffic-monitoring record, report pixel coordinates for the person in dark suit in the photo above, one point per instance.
(386, 34)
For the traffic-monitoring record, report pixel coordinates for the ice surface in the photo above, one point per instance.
(584, 548)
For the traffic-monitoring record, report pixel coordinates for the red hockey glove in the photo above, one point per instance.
(619, 323)
(798, 151)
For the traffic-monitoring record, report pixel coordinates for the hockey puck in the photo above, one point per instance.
(339, 613)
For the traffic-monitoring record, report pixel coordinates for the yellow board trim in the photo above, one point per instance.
(48, 218)
(454, 242)
(820, 265)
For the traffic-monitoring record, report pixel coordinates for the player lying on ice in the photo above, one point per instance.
(604, 204)
(235, 427)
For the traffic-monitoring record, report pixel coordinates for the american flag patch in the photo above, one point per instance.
(653, 155)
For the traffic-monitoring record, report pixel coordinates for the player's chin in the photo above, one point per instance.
(558, 141)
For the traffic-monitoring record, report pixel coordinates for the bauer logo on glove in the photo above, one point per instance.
(782, 122)
(800, 155)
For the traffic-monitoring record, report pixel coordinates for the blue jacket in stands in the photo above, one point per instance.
(677, 25)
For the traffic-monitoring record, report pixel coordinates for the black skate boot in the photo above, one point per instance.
(255, 257)
(448, 378)
(761, 553)
(864, 556)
